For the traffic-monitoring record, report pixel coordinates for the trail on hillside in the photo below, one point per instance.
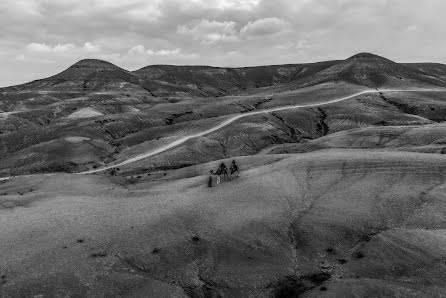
(238, 116)
(227, 122)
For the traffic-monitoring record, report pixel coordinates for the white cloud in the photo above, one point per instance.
(135, 10)
(42, 47)
(174, 52)
(210, 32)
(244, 5)
(47, 53)
(300, 45)
(262, 27)
(141, 50)
(90, 47)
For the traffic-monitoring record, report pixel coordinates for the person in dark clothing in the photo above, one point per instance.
(223, 170)
(234, 168)
(211, 172)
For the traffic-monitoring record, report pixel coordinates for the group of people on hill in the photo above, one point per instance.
(222, 171)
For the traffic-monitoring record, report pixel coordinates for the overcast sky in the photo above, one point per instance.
(39, 38)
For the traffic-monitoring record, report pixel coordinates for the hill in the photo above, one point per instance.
(219, 81)
(90, 75)
(374, 71)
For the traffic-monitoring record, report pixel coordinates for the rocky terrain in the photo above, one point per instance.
(340, 195)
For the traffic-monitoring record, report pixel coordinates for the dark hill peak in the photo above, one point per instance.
(366, 69)
(95, 64)
(366, 56)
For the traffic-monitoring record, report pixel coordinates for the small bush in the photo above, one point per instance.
(99, 254)
(358, 255)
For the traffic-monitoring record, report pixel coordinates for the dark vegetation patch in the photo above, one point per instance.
(99, 254)
(131, 180)
(113, 171)
(3, 279)
(257, 105)
(171, 119)
(293, 286)
(67, 167)
(358, 255)
(401, 106)
(245, 108)
(322, 126)
(207, 290)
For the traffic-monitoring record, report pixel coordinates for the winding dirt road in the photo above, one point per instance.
(232, 119)
(238, 116)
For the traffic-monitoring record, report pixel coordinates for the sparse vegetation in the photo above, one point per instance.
(99, 254)
(358, 255)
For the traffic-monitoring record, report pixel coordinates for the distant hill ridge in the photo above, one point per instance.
(363, 69)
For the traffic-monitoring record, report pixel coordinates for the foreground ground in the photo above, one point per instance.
(328, 223)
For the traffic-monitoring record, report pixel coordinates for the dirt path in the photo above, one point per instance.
(234, 118)
(238, 116)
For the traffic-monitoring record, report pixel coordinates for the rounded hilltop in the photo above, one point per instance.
(365, 55)
(95, 64)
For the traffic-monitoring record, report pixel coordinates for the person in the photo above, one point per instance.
(211, 172)
(234, 168)
(223, 170)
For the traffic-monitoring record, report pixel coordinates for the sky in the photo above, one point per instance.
(39, 38)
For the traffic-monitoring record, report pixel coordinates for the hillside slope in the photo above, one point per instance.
(218, 80)
(345, 223)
